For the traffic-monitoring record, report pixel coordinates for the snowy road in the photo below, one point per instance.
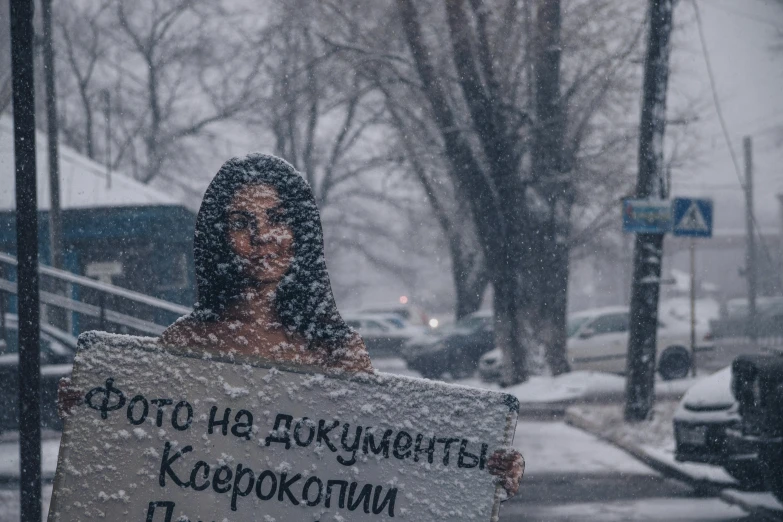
(571, 475)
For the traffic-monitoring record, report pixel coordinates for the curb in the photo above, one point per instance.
(572, 418)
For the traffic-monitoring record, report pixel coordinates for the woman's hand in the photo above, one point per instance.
(68, 397)
(509, 465)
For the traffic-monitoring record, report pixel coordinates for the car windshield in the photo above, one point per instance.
(575, 323)
(395, 321)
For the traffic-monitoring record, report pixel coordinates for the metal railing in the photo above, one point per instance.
(99, 310)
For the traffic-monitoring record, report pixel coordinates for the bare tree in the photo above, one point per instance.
(83, 47)
(467, 69)
(5, 58)
(327, 121)
(468, 266)
(188, 54)
(173, 71)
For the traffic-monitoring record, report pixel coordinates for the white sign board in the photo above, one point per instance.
(163, 437)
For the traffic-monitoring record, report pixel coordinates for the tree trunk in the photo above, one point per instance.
(154, 160)
(470, 279)
(495, 193)
(511, 330)
(556, 188)
(648, 250)
(555, 297)
(88, 130)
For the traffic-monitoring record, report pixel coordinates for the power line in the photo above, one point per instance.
(714, 90)
(743, 14)
(723, 126)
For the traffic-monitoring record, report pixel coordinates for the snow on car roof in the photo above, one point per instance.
(712, 390)
(83, 182)
(600, 311)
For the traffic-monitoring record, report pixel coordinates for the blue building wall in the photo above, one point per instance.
(154, 245)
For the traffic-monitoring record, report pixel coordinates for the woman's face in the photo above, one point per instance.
(266, 246)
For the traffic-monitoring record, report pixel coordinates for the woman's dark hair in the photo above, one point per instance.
(303, 298)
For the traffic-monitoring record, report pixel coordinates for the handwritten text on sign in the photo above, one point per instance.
(165, 437)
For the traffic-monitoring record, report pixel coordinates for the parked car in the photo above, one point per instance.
(413, 314)
(57, 351)
(735, 323)
(757, 385)
(383, 334)
(453, 349)
(705, 413)
(598, 340)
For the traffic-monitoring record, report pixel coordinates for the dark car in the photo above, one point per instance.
(57, 351)
(453, 349)
(705, 414)
(758, 387)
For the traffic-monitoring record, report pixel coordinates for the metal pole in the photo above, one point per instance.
(693, 307)
(27, 250)
(750, 256)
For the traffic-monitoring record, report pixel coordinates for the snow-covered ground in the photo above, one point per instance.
(655, 438)
(572, 475)
(9, 502)
(661, 508)
(555, 447)
(567, 388)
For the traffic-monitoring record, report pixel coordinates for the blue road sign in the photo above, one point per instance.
(645, 216)
(692, 217)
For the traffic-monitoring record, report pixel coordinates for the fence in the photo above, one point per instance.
(91, 304)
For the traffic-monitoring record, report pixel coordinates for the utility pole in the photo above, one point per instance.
(648, 248)
(55, 221)
(23, 88)
(692, 251)
(750, 255)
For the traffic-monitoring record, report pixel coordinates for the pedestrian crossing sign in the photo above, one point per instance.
(692, 217)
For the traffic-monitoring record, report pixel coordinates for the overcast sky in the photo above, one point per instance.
(749, 80)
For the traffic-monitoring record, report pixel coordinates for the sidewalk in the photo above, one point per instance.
(653, 444)
(9, 455)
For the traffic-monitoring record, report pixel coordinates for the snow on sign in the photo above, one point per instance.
(169, 434)
(692, 217)
(646, 216)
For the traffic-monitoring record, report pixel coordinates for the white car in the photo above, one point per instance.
(704, 417)
(598, 340)
(383, 334)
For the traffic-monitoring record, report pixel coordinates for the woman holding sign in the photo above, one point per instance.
(263, 287)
